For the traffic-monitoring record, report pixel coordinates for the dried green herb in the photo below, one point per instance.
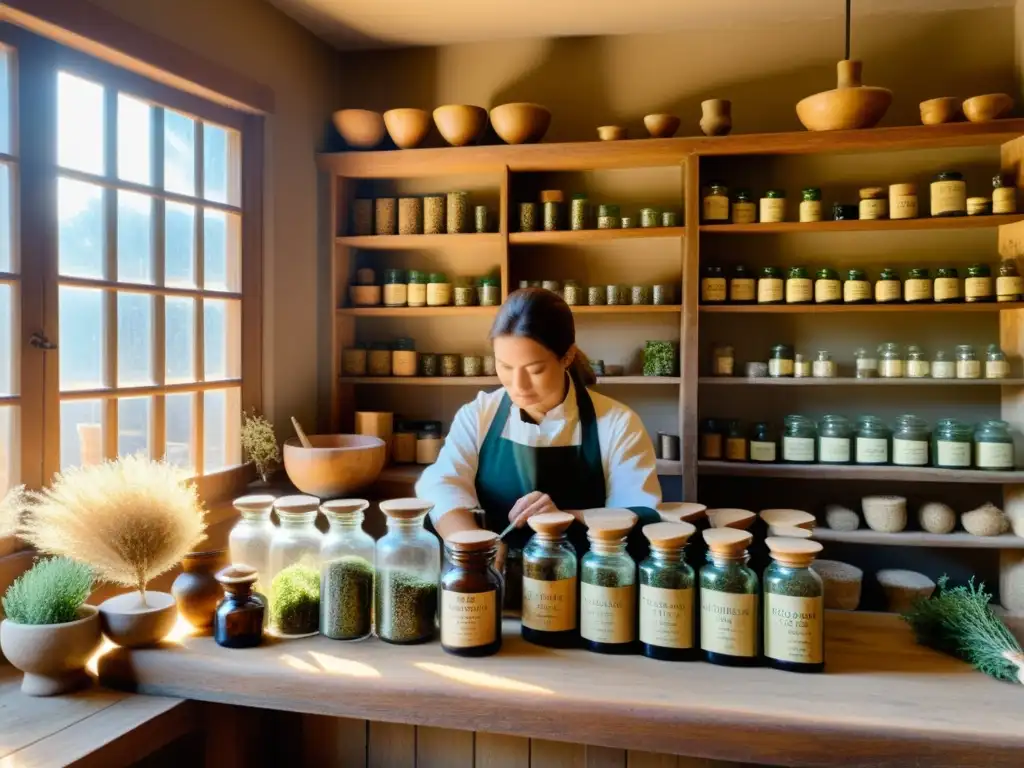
(548, 568)
(295, 600)
(346, 598)
(734, 578)
(50, 592)
(677, 575)
(406, 607)
(660, 358)
(791, 582)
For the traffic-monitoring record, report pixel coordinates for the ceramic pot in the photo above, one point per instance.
(716, 117)
(944, 109)
(52, 656)
(196, 590)
(128, 622)
(849, 105)
(991, 106)
(661, 126)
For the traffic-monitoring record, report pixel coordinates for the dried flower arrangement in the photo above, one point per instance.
(260, 443)
(12, 505)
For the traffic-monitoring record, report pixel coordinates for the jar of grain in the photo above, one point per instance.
(773, 206)
(744, 210)
(472, 365)
(801, 368)
(458, 213)
(480, 219)
(433, 215)
(903, 201)
(640, 295)
(890, 361)
(1004, 196)
(824, 366)
(463, 293)
(353, 361)
(715, 207)
(608, 217)
(910, 442)
(410, 216)
(596, 295)
(669, 219)
(396, 288)
(978, 285)
(780, 365)
(917, 366)
(996, 364)
(416, 293)
(572, 293)
(857, 287)
(429, 365)
(866, 364)
(403, 357)
(827, 288)
(649, 218)
(552, 200)
(451, 365)
(873, 203)
(615, 294)
(527, 217)
(949, 194)
(439, 290)
(379, 359)
(362, 216)
(810, 205)
(946, 289)
(943, 365)
(662, 294)
(1009, 286)
(968, 366)
(386, 215)
(627, 222)
(918, 287)
(489, 292)
(489, 367)
(888, 289)
(579, 212)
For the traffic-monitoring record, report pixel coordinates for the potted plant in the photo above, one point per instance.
(260, 444)
(49, 633)
(130, 520)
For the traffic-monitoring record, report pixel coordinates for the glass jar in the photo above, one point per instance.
(472, 365)
(771, 286)
(874, 204)
(824, 366)
(239, 618)
(463, 294)
(888, 289)
(549, 582)
(918, 288)
(1004, 196)
(640, 295)
(490, 369)
(439, 290)
(780, 364)
(296, 538)
(669, 219)
(827, 288)
(489, 292)
(993, 446)
(910, 442)
(996, 364)
(572, 294)
(866, 364)
(794, 607)
(666, 594)
(979, 206)
(451, 365)
(744, 209)
(871, 444)
(801, 368)
(471, 595)
(736, 446)
(295, 568)
(249, 540)
(978, 285)
(615, 295)
(396, 288)
(773, 206)
(579, 213)
(763, 445)
(917, 363)
(428, 442)
(712, 284)
(650, 217)
(722, 360)
(353, 361)
(716, 204)
(552, 200)
(607, 217)
(480, 219)
(798, 440)
(408, 561)
(346, 572)
(810, 204)
(379, 359)
(527, 217)
(457, 213)
(551, 285)
(429, 364)
(947, 286)
(410, 216)
(403, 357)
(1009, 286)
(949, 194)
(596, 295)
(416, 288)
(608, 587)
(742, 285)
(952, 444)
(841, 212)
(903, 201)
(385, 217)
(857, 288)
(799, 286)
(627, 222)
(712, 440)
(662, 294)
(968, 366)
(729, 616)
(835, 438)
(433, 215)
(891, 363)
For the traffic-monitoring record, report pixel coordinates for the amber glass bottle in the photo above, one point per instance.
(471, 595)
(238, 621)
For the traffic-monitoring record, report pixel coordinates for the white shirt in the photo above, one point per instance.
(627, 454)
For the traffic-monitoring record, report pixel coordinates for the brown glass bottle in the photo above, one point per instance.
(238, 621)
(471, 595)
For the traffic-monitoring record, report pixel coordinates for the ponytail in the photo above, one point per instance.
(581, 371)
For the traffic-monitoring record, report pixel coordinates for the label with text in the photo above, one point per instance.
(769, 290)
(716, 208)
(712, 289)
(799, 290)
(468, 620)
(549, 606)
(872, 450)
(952, 454)
(728, 623)
(909, 453)
(834, 450)
(762, 451)
(607, 613)
(793, 628)
(1008, 288)
(947, 288)
(856, 290)
(827, 290)
(887, 290)
(798, 449)
(666, 617)
(742, 289)
(994, 455)
(744, 213)
(918, 289)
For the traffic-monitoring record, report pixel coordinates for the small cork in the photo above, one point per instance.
(296, 505)
(405, 509)
(253, 502)
(731, 518)
(550, 523)
(237, 574)
(681, 511)
(903, 189)
(727, 542)
(866, 193)
(552, 196)
(789, 532)
(796, 518)
(668, 536)
(344, 506)
(798, 552)
(472, 540)
(609, 524)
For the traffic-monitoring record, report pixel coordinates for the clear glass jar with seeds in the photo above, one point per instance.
(552, 200)
(408, 562)
(527, 217)
(794, 607)
(627, 222)
(662, 294)
(549, 583)
(572, 293)
(385, 216)
(249, 540)
(917, 366)
(669, 219)
(996, 364)
(480, 219)
(433, 215)
(579, 212)
(968, 366)
(294, 576)
(952, 444)
(596, 296)
(649, 218)
(410, 216)
(640, 295)
(346, 572)
(866, 364)
(890, 361)
(472, 365)
(616, 294)
(608, 585)
(428, 364)
(729, 590)
(667, 595)
(451, 365)
(471, 595)
(458, 213)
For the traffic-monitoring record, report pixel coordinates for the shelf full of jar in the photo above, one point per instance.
(411, 242)
(410, 473)
(578, 236)
(988, 306)
(886, 472)
(851, 381)
(492, 381)
(601, 309)
(957, 540)
(864, 225)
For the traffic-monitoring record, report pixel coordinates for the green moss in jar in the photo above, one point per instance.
(295, 601)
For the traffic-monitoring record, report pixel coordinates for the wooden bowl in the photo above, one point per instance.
(741, 519)
(991, 106)
(661, 126)
(460, 124)
(944, 109)
(611, 132)
(850, 105)
(520, 122)
(336, 465)
(407, 127)
(360, 128)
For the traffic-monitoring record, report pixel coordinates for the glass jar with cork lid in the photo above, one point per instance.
(346, 572)
(949, 194)
(729, 615)
(471, 595)
(408, 560)
(874, 204)
(249, 540)
(666, 594)
(549, 582)
(794, 608)
(608, 584)
(294, 564)
(1004, 196)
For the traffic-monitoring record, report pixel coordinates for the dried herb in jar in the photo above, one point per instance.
(348, 598)
(406, 609)
(295, 601)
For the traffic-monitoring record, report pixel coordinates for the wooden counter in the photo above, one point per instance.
(884, 700)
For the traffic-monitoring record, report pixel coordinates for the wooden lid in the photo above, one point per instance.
(472, 540)
(796, 518)
(405, 509)
(550, 523)
(237, 574)
(343, 506)
(681, 511)
(869, 192)
(731, 518)
(296, 505)
(789, 532)
(552, 196)
(903, 189)
(727, 541)
(668, 535)
(253, 502)
(608, 524)
(792, 551)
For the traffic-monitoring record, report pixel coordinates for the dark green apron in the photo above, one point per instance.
(571, 475)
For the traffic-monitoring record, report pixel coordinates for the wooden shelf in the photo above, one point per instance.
(849, 381)
(418, 311)
(405, 242)
(859, 472)
(490, 381)
(627, 309)
(785, 309)
(958, 539)
(572, 237)
(883, 225)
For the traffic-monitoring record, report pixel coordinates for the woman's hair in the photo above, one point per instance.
(541, 315)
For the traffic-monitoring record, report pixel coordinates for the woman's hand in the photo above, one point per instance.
(529, 505)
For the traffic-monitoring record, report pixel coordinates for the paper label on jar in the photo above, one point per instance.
(948, 196)
(890, 369)
(997, 369)
(952, 454)
(549, 606)
(712, 289)
(666, 617)
(823, 369)
(943, 369)
(798, 449)
(903, 206)
(1004, 200)
(917, 369)
(872, 450)
(977, 287)
(769, 289)
(728, 623)
(712, 443)
(810, 210)
(793, 628)
(773, 209)
(874, 209)
(744, 213)
(396, 294)
(1009, 288)
(968, 369)
(417, 293)
(778, 367)
(716, 208)
(799, 289)
(439, 294)
(947, 288)
(856, 290)
(736, 449)
(762, 451)
(887, 290)
(867, 364)
(834, 450)
(909, 453)
(827, 290)
(994, 455)
(607, 613)
(724, 366)
(742, 289)
(468, 620)
(918, 289)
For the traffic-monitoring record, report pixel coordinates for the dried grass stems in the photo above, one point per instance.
(260, 443)
(130, 520)
(12, 505)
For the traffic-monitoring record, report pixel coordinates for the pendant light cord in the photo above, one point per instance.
(848, 2)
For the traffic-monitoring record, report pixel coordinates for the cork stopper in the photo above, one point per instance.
(344, 506)
(552, 196)
(796, 518)
(798, 552)
(609, 524)
(550, 524)
(731, 518)
(406, 509)
(296, 505)
(256, 502)
(237, 574)
(472, 540)
(866, 193)
(789, 532)
(902, 189)
(668, 536)
(727, 542)
(681, 511)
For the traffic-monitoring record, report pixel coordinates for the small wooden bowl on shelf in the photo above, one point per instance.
(612, 132)
(990, 106)
(661, 126)
(335, 465)
(520, 122)
(407, 127)
(361, 128)
(945, 109)
(460, 124)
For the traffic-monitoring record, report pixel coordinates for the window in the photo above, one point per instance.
(10, 294)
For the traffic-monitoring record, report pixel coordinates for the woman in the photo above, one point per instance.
(543, 442)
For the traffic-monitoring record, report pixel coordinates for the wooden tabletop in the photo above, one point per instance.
(882, 701)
